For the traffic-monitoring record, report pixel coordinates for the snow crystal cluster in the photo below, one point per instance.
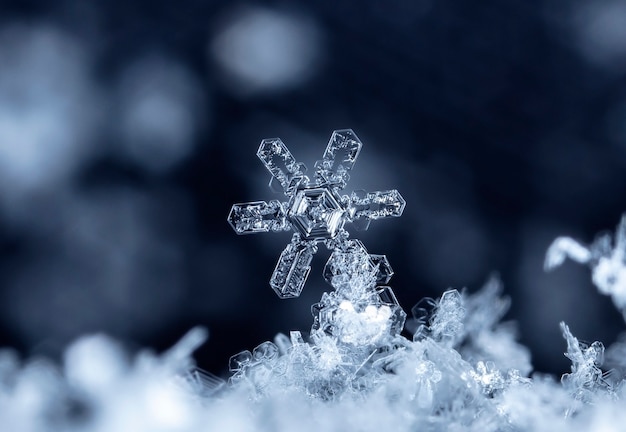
(607, 261)
(364, 365)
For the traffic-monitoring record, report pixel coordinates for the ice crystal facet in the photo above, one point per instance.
(315, 210)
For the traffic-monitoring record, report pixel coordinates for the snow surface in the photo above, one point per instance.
(462, 370)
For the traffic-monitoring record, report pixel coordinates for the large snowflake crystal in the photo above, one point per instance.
(315, 210)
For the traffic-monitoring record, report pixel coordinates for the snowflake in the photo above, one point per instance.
(315, 210)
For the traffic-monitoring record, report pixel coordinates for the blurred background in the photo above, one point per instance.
(128, 129)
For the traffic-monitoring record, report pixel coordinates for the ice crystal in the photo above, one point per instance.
(315, 210)
(446, 324)
(471, 324)
(606, 257)
(586, 377)
(353, 330)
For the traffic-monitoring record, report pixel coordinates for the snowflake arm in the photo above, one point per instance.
(339, 157)
(293, 267)
(281, 164)
(258, 216)
(366, 207)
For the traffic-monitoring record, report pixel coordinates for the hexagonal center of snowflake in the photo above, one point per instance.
(316, 213)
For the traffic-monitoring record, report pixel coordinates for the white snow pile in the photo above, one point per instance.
(462, 370)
